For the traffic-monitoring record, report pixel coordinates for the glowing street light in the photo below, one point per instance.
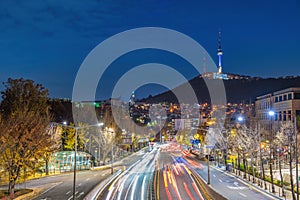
(240, 119)
(271, 113)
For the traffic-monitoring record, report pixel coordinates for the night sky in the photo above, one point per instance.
(47, 40)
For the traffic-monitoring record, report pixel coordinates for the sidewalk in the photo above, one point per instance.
(261, 187)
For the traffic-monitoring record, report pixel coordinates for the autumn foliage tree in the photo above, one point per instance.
(24, 127)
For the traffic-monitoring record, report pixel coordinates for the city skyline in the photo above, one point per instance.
(47, 41)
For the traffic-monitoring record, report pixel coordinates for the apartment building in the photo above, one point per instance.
(285, 103)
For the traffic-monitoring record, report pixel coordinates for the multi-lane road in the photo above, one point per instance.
(134, 182)
(164, 173)
(61, 186)
(174, 179)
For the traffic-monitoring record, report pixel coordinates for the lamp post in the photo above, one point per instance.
(271, 114)
(110, 130)
(75, 162)
(75, 150)
(98, 140)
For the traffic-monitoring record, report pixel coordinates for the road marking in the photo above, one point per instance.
(236, 183)
(68, 192)
(244, 182)
(214, 175)
(242, 194)
(81, 193)
(220, 180)
(143, 186)
(51, 188)
(236, 188)
(71, 197)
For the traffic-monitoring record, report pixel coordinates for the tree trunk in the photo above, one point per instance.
(245, 167)
(47, 166)
(291, 175)
(239, 163)
(281, 178)
(11, 188)
(271, 171)
(263, 170)
(252, 167)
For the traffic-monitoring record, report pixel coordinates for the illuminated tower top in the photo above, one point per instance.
(220, 53)
(132, 99)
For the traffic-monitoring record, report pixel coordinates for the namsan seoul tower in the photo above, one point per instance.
(220, 53)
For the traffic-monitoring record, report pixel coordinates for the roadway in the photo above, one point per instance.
(174, 178)
(61, 186)
(133, 183)
(228, 186)
(173, 168)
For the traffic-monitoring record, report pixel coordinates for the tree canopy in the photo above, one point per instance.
(25, 135)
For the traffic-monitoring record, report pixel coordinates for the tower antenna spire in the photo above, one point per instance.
(220, 53)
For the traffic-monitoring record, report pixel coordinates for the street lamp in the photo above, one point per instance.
(75, 149)
(240, 119)
(110, 130)
(271, 114)
(99, 143)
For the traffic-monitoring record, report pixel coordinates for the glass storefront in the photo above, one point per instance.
(63, 161)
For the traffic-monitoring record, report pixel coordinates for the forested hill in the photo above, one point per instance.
(241, 90)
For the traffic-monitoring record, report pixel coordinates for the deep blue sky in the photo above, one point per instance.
(47, 40)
